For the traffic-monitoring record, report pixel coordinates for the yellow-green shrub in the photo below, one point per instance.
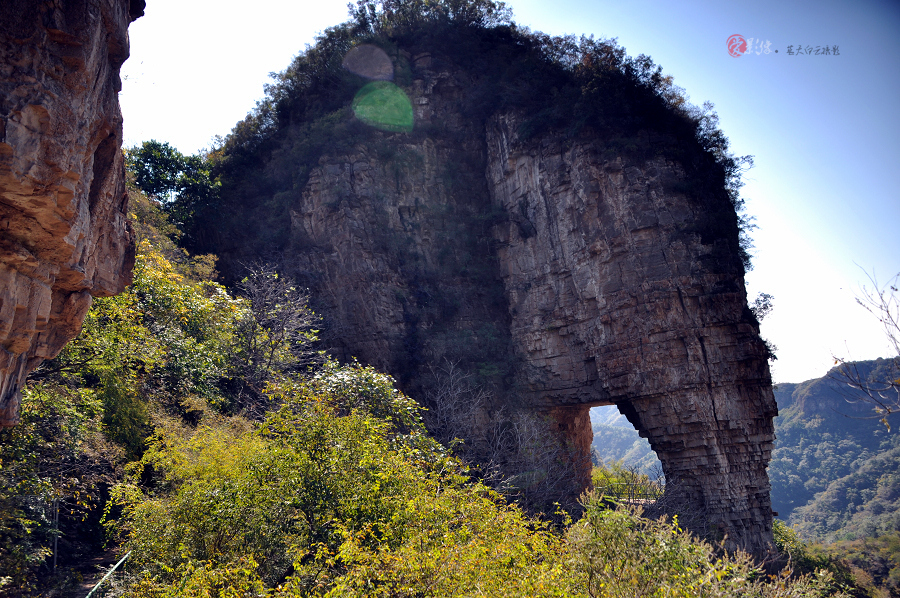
(618, 553)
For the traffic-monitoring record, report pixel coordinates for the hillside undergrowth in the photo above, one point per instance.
(331, 486)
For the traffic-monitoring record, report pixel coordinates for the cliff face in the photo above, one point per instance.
(395, 240)
(619, 295)
(65, 234)
(561, 272)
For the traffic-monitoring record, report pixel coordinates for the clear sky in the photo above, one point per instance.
(823, 129)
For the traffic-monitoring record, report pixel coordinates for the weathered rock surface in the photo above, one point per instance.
(65, 233)
(617, 298)
(561, 272)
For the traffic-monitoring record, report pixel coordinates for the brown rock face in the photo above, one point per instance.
(565, 274)
(64, 233)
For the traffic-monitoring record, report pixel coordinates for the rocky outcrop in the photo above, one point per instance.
(65, 233)
(619, 294)
(559, 271)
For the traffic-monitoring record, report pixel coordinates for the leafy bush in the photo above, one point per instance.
(459, 541)
(56, 453)
(353, 388)
(164, 341)
(871, 563)
(618, 553)
(287, 492)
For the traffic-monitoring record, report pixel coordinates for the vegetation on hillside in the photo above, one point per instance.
(305, 481)
(864, 503)
(834, 472)
(824, 434)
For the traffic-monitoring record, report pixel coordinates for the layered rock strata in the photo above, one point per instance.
(567, 274)
(619, 296)
(65, 233)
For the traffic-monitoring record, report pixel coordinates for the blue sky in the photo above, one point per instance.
(823, 129)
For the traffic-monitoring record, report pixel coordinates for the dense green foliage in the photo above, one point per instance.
(170, 348)
(320, 466)
(874, 562)
(184, 184)
(57, 453)
(864, 503)
(824, 434)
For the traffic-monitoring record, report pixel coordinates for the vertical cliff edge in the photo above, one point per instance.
(619, 295)
(64, 232)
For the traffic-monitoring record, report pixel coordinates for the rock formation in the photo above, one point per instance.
(568, 274)
(617, 298)
(65, 234)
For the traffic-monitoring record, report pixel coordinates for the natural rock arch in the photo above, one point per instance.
(586, 276)
(624, 303)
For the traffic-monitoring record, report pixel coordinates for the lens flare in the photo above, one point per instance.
(370, 62)
(385, 106)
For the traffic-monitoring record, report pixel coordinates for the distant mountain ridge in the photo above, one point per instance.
(615, 439)
(832, 455)
(609, 415)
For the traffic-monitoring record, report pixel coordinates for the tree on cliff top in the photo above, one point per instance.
(387, 17)
(183, 185)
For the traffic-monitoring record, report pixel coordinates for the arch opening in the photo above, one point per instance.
(624, 465)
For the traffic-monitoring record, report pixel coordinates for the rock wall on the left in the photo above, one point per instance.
(64, 231)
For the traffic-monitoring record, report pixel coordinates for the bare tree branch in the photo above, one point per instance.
(881, 387)
(276, 336)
